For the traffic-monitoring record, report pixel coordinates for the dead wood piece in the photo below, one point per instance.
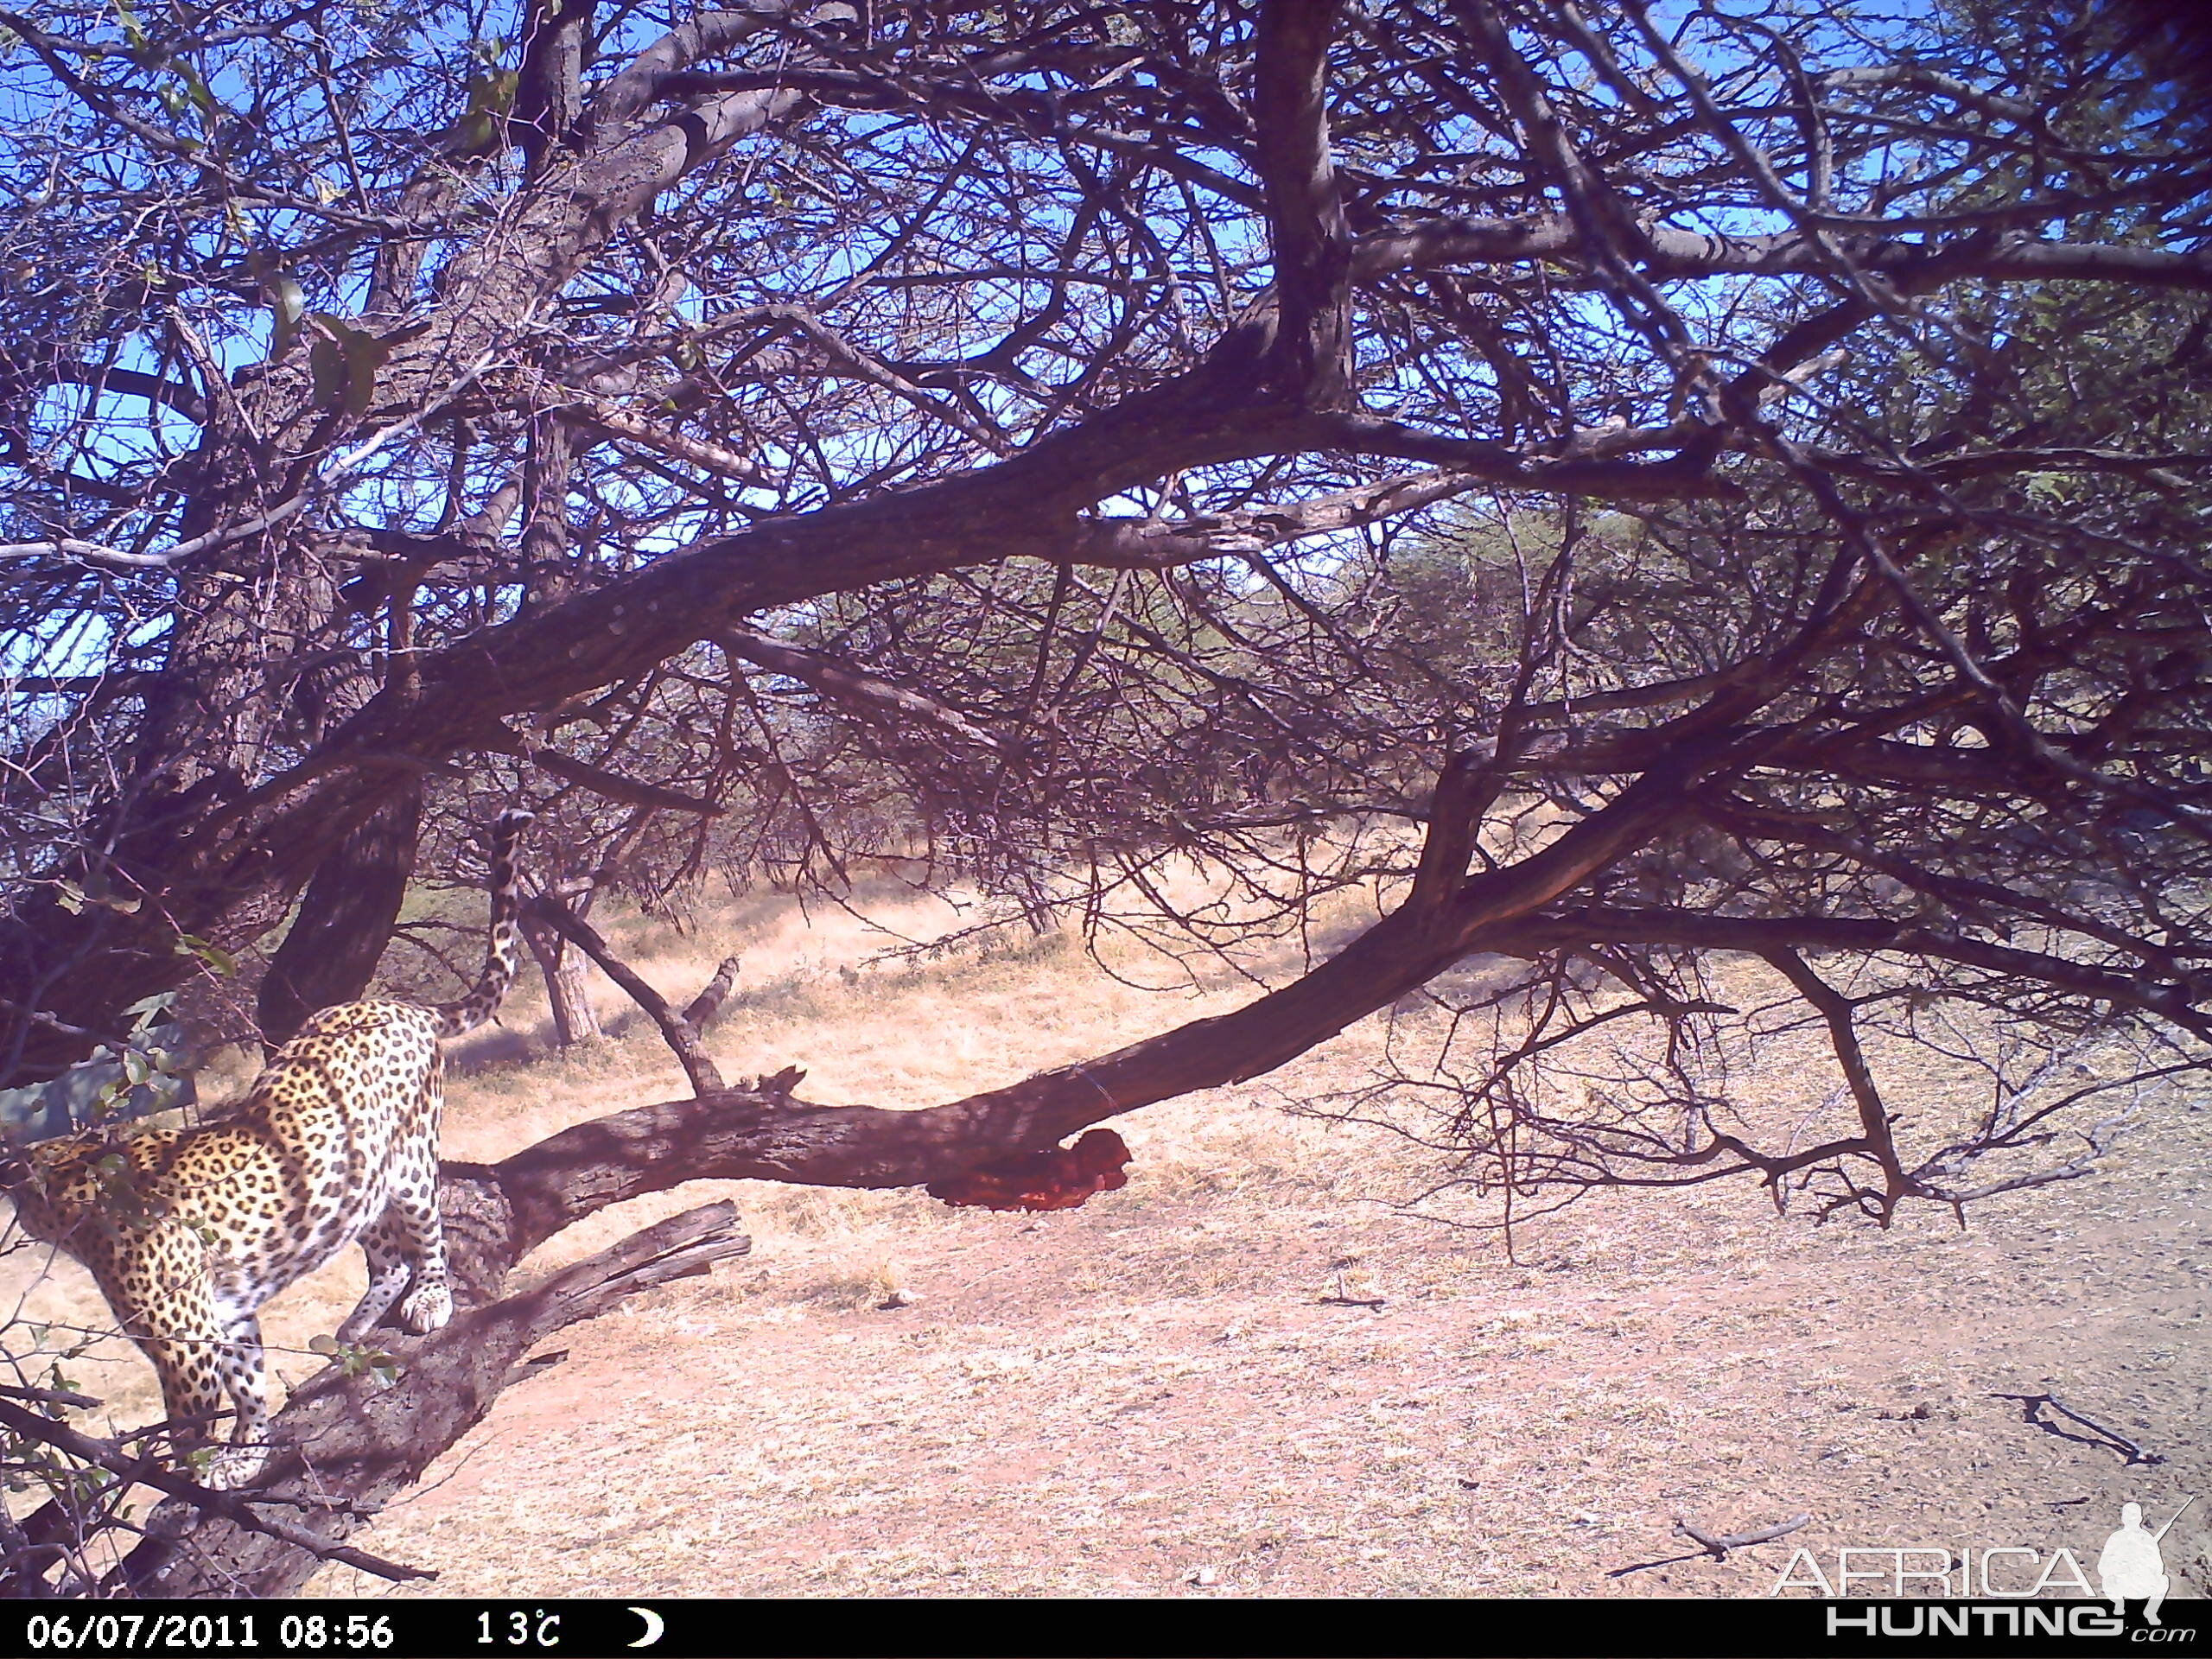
(699, 1012)
(781, 1083)
(2031, 1407)
(1719, 1546)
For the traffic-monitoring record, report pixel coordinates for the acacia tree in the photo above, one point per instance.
(1026, 440)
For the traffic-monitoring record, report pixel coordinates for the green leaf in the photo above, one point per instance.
(142, 1012)
(214, 955)
(288, 301)
(134, 34)
(96, 890)
(493, 93)
(69, 896)
(202, 99)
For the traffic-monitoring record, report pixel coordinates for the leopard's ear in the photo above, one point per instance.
(14, 1167)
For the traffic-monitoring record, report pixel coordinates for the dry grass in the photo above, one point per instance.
(1150, 1395)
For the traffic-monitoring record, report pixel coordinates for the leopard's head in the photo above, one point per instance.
(56, 1184)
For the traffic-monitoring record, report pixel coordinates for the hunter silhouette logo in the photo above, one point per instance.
(2130, 1568)
(2131, 1564)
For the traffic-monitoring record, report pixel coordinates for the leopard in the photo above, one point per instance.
(190, 1232)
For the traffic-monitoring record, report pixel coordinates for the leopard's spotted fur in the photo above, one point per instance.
(189, 1231)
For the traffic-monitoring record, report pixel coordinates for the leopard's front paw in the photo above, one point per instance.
(233, 1467)
(427, 1309)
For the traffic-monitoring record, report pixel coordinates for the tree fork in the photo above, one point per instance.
(331, 951)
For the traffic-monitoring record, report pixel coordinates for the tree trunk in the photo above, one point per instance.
(575, 1021)
(346, 918)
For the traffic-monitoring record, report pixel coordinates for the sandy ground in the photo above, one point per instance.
(1152, 1396)
(1148, 1397)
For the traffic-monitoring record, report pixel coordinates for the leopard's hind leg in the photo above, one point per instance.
(406, 1250)
(413, 1216)
(413, 1209)
(390, 1271)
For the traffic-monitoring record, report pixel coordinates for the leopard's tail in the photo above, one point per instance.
(500, 959)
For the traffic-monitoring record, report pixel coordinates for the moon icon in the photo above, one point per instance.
(655, 1627)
